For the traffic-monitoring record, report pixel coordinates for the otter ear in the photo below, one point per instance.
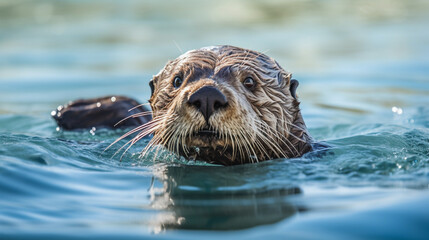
(292, 88)
(152, 87)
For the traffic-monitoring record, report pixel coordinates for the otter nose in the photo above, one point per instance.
(208, 100)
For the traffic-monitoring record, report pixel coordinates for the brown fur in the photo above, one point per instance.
(257, 125)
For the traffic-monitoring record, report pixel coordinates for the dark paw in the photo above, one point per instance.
(107, 112)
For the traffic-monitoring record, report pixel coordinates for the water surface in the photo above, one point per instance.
(363, 68)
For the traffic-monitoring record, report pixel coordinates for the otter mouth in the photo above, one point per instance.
(207, 134)
(217, 155)
(207, 145)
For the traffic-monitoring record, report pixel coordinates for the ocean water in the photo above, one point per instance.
(363, 68)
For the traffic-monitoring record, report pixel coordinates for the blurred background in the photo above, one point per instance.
(53, 51)
(363, 67)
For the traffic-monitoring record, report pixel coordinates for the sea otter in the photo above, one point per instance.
(225, 105)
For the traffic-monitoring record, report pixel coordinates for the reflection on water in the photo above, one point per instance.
(196, 197)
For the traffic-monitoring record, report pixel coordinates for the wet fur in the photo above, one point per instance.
(258, 124)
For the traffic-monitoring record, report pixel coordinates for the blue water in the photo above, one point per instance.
(363, 68)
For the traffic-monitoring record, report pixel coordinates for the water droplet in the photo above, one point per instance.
(180, 220)
(92, 131)
(113, 99)
(98, 104)
(397, 110)
(58, 129)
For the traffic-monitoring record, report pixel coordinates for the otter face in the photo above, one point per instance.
(226, 105)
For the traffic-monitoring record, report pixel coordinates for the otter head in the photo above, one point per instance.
(227, 105)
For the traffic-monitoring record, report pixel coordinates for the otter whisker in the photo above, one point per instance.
(164, 135)
(280, 138)
(239, 153)
(140, 105)
(150, 145)
(296, 126)
(168, 133)
(135, 115)
(170, 140)
(132, 142)
(270, 139)
(248, 146)
(235, 148)
(182, 137)
(241, 146)
(160, 138)
(232, 143)
(271, 142)
(224, 137)
(288, 123)
(260, 147)
(291, 134)
(187, 132)
(153, 122)
(145, 129)
(177, 140)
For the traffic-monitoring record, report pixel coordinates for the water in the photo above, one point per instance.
(363, 68)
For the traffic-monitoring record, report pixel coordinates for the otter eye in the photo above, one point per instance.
(177, 82)
(249, 83)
